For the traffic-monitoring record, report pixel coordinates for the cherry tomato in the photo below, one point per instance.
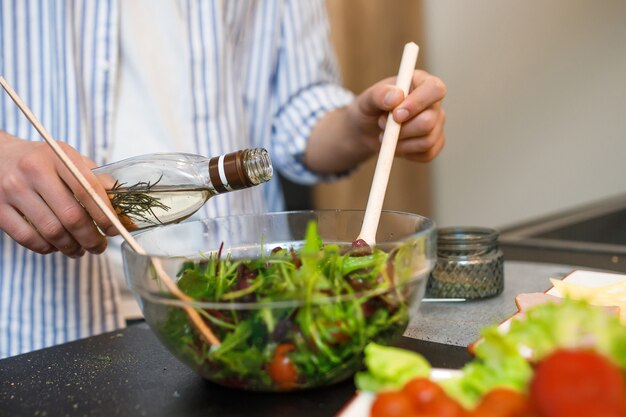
(392, 404)
(281, 369)
(422, 392)
(503, 402)
(569, 380)
(336, 335)
(444, 407)
(591, 410)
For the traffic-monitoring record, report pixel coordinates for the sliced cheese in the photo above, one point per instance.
(613, 295)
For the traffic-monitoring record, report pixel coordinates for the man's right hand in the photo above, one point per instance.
(42, 206)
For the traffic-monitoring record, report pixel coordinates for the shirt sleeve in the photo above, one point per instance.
(307, 86)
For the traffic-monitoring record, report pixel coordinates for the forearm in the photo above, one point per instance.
(336, 144)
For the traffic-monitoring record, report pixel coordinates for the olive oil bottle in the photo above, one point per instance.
(162, 188)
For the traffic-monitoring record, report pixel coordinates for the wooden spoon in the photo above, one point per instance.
(387, 151)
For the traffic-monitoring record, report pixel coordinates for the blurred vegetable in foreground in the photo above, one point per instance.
(565, 359)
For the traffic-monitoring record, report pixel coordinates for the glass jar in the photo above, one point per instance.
(469, 264)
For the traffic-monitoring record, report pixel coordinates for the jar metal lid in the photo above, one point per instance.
(463, 234)
(470, 237)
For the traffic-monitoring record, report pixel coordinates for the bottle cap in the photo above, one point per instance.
(241, 169)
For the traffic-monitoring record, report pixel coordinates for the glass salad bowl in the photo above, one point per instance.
(289, 299)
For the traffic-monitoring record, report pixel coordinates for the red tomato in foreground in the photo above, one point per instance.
(444, 407)
(430, 400)
(281, 369)
(591, 410)
(574, 382)
(502, 402)
(392, 404)
(423, 392)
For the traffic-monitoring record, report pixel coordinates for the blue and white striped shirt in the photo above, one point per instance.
(262, 74)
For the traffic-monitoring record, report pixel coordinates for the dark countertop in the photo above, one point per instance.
(129, 373)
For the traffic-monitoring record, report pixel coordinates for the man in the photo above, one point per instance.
(112, 79)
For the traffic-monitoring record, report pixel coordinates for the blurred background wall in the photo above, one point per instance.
(536, 105)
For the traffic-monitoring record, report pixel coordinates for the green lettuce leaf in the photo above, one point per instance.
(389, 368)
(504, 358)
(570, 324)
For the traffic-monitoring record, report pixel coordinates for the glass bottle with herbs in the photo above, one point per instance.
(162, 188)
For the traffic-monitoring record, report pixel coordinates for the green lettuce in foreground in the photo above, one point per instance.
(389, 368)
(568, 324)
(506, 358)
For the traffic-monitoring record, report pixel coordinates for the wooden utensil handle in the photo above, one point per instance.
(387, 150)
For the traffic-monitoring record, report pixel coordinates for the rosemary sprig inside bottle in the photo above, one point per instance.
(135, 202)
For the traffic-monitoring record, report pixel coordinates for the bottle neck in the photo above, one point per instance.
(240, 169)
